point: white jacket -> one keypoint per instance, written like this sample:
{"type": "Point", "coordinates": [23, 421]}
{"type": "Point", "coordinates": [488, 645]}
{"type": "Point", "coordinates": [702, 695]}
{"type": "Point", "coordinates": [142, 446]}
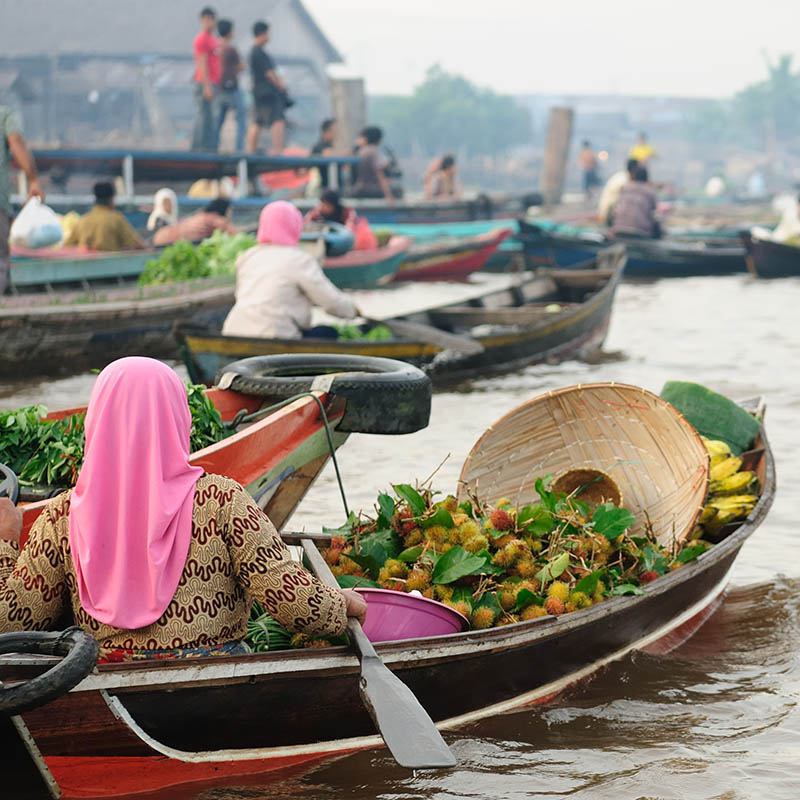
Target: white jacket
{"type": "Point", "coordinates": [276, 288]}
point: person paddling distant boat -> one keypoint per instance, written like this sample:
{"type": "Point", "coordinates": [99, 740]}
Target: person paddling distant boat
{"type": "Point", "coordinates": [278, 284]}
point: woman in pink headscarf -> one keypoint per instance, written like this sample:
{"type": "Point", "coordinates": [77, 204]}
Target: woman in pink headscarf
{"type": "Point", "coordinates": [278, 284]}
{"type": "Point", "coordinates": [149, 554]}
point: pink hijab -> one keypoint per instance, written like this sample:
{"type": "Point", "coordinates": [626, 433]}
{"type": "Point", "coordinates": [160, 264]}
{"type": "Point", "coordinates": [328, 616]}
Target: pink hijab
{"type": "Point", "coordinates": [280, 223]}
{"type": "Point", "coordinates": [130, 519]}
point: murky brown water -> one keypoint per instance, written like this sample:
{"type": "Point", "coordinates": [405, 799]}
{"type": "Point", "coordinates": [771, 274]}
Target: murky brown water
{"type": "Point", "coordinates": [717, 718]}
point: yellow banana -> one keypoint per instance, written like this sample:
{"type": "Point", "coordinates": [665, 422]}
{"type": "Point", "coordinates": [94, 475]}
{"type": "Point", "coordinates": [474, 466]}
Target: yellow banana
{"type": "Point", "coordinates": [717, 459]}
{"type": "Point", "coordinates": [716, 447]}
{"type": "Point", "coordinates": [730, 501]}
{"type": "Point", "coordinates": [724, 469]}
{"type": "Point", "coordinates": [733, 484]}
{"type": "Point", "coordinates": [722, 518]}
{"type": "Point", "coordinates": [707, 514]}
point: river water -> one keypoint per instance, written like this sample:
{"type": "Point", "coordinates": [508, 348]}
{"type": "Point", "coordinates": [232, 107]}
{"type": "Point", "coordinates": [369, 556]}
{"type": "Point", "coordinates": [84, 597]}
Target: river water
{"type": "Point", "coordinates": [717, 718]}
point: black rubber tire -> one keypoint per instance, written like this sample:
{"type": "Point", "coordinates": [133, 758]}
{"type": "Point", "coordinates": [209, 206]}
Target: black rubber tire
{"type": "Point", "coordinates": [80, 651]}
{"type": "Point", "coordinates": [9, 484]}
{"type": "Point", "coordinates": [383, 395]}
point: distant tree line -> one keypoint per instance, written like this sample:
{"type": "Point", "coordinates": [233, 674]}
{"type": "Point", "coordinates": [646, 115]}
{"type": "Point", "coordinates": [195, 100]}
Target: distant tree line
{"type": "Point", "coordinates": [764, 111]}
{"type": "Point", "coordinates": [449, 113]}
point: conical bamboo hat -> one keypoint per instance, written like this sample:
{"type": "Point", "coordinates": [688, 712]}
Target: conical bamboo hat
{"type": "Point", "coordinates": [652, 453]}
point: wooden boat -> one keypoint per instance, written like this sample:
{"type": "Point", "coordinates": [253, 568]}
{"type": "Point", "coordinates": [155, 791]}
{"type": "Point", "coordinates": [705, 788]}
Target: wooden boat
{"type": "Point", "coordinates": [47, 334]}
{"type": "Point", "coordinates": [522, 320]}
{"type": "Point", "coordinates": [767, 259]}
{"type": "Point", "coordinates": [504, 259]}
{"type": "Point", "coordinates": [451, 259]}
{"type": "Point", "coordinates": [149, 725]}
{"type": "Point", "coordinates": [361, 269]}
{"type": "Point", "coordinates": [73, 266]}
{"type": "Point", "coordinates": [564, 246]}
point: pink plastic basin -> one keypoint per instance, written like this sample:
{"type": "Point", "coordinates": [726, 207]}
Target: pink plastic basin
{"type": "Point", "coordinates": [397, 615]}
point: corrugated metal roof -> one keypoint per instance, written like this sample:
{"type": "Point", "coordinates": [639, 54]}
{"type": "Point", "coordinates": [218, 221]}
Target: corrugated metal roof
{"type": "Point", "coordinates": [37, 27]}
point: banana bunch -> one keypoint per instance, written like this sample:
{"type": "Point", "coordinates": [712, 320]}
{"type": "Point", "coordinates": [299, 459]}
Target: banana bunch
{"type": "Point", "coordinates": [732, 491]}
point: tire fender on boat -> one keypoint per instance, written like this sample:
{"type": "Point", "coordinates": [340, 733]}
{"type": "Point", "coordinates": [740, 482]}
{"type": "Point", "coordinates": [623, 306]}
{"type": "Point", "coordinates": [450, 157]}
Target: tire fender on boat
{"type": "Point", "coordinates": [383, 395]}
{"type": "Point", "coordinates": [79, 650]}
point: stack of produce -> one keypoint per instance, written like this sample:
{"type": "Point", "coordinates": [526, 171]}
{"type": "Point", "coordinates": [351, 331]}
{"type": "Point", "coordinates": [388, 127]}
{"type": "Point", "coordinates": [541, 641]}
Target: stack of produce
{"type": "Point", "coordinates": [45, 452]}
{"type": "Point", "coordinates": [498, 564]}
{"type": "Point", "coordinates": [184, 261]}
{"type": "Point", "coordinates": [732, 491]}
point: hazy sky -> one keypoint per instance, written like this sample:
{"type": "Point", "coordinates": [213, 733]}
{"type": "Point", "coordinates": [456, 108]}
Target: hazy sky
{"type": "Point", "coordinates": [680, 47]}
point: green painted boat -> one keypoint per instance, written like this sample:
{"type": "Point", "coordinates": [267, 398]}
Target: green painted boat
{"type": "Point", "coordinates": [54, 268]}
{"type": "Point", "coordinates": [365, 269]}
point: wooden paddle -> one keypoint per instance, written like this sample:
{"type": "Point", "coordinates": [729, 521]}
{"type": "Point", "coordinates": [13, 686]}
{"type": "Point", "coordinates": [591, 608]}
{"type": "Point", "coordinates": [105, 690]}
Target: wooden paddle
{"type": "Point", "coordinates": [403, 723]}
{"type": "Point", "coordinates": [428, 333]}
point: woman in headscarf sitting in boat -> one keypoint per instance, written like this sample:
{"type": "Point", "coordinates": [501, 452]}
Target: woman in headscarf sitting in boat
{"type": "Point", "coordinates": [165, 209]}
{"type": "Point", "coordinates": [278, 284]}
{"type": "Point", "coordinates": [149, 554]}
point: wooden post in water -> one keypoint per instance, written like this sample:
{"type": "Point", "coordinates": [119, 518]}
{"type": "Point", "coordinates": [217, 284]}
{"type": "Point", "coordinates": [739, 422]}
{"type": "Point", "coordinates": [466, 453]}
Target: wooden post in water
{"type": "Point", "coordinates": [349, 105]}
{"type": "Point", "coordinates": [554, 168]}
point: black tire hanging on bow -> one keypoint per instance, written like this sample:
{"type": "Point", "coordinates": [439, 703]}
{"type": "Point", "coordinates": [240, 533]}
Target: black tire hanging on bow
{"type": "Point", "coordinates": [79, 651]}
{"type": "Point", "coordinates": [383, 395]}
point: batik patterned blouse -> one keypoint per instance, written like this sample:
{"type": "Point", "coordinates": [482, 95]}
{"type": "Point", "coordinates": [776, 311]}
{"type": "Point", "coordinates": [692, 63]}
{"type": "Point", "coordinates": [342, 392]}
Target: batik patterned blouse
{"type": "Point", "coordinates": [235, 556]}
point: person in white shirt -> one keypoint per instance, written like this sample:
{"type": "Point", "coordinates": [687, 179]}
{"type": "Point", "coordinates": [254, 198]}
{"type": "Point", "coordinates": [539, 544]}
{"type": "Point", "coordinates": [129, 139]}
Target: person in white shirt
{"type": "Point", "coordinates": [610, 193]}
{"type": "Point", "coordinates": [278, 284]}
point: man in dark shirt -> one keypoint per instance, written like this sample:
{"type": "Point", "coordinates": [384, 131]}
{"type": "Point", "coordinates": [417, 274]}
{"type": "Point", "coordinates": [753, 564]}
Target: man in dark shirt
{"type": "Point", "coordinates": [230, 97]}
{"type": "Point", "coordinates": [269, 93]}
{"type": "Point", "coordinates": [371, 179]}
{"type": "Point", "coordinates": [325, 147]}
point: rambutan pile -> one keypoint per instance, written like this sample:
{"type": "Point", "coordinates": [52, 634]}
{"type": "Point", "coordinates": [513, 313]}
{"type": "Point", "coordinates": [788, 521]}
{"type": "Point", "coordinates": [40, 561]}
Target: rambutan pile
{"type": "Point", "coordinates": [497, 563]}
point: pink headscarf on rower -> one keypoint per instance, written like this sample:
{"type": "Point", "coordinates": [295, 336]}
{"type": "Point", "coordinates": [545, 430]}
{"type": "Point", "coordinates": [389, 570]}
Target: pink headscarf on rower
{"type": "Point", "coordinates": [130, 518]}
{"type": "Point", "coordinates": [280, 223]}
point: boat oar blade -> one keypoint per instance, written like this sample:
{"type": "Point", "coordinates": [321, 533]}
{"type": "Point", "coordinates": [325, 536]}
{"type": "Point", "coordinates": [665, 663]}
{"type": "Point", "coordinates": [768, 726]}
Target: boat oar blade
{"type": "Point", "coordinates": [432, 335]}
{"type": "Point", "coordinates": [403, 723]}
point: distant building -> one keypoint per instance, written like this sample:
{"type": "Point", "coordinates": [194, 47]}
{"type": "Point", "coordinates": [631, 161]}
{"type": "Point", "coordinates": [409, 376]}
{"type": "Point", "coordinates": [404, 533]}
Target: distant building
{"type": "Point", "coordinates": [101, 72]}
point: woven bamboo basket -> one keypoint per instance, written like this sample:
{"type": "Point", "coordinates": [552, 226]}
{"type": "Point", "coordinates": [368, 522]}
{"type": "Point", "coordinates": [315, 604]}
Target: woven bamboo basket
{"type": "Point", "coordinates": [653, 454]}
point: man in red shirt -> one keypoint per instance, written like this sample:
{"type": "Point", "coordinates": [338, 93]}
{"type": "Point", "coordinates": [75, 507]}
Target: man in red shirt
{"type": "Point", "coordinates": [207, 74]}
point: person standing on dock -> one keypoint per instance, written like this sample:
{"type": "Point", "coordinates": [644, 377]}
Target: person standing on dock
{"type": "Point", "coordinates": [208, 71]}
{"type": "Point", "coordinates": [230, 94]}
{"type": "Point", "coordinates": [269, 93]}
{"type": "Point", "coordinates": [588, 164]}
{"type": "Point", "coordinates": [104, 228]}
{"type": "Point", "coordinates": [13, 144]}
{"type": "Point", "coordinates": [642, 151]}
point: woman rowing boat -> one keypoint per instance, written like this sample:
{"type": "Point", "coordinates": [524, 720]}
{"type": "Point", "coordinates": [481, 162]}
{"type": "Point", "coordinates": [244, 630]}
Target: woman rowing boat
{"type": "Point", "coordinates": [278, 284]}
{"type": "Point", "coordinates": [149, 554]}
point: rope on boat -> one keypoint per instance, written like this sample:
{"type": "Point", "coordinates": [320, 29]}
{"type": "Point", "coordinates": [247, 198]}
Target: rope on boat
{"type": "Point", "coordinates": [243, 417]}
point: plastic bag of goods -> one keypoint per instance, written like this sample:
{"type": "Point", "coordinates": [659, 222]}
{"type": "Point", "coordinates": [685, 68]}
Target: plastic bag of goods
{"type": "Point", "coordinates": [37, 225]}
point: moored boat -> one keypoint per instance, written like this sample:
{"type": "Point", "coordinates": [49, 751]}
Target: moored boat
{"type": "Point", "coordinates": [451, 259]}
{"type": "Point", "coordinates": [145, 726]}
{"type": "Point", "coordinates": [520, 320]}
{"type": "Point", "coordinates": [565, 246]}
{"type": "Point", "coordinates": [359, 269]}
{"type": "Point", "coordinates": [767, 259]}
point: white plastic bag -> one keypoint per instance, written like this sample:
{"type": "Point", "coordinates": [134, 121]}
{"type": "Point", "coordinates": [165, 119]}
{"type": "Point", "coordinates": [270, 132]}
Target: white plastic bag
{"type": "Point", "coordinates": [37, 225]}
